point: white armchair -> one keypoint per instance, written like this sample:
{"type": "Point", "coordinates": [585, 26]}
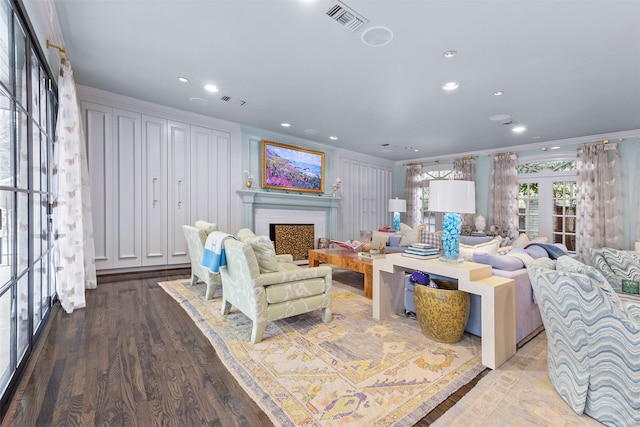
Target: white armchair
{"type": "Point", "coordinates": [267, 287]}
{"type": "Point", "coordinates": [196, 238]}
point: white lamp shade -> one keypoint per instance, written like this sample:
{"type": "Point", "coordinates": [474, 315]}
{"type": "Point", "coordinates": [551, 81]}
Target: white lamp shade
{"type": "Point", "coordinates": [397, 205]}
{"type": "Point", "coordinates": [452, 196]}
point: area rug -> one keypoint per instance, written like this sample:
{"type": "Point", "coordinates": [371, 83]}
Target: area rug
{"type": "Point", "coordinates": [352, 371]}
{"type": "Point", "coordinates": [519, 393]}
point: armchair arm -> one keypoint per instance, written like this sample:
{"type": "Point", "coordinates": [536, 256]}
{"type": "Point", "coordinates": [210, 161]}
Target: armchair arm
{"type": "Point", "coordinates": [285, 258]}
{"type": "Point", "coordinates": [277, 277]}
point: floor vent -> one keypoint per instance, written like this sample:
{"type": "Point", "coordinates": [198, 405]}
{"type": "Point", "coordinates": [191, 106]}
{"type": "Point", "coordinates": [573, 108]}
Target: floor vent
{"type": "Point", "coordinates": [345, 16]}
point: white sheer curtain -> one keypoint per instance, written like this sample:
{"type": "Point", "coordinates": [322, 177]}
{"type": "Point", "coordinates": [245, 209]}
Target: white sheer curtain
{"type": "Point", "coordinates": [465, 169]}
{"type": "Point", "coordinates": [504, 193]}
{"type": "Point", "coordinates": [599, 221]}
{"type": "Point", "coordinates": [73, 227]}
{"type": "Point", "coordinates": [413, 195]}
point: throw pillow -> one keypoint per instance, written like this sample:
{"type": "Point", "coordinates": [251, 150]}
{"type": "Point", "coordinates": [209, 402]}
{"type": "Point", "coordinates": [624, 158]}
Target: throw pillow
{"type": "Point", "coordinates": [521, 241]}
{"type": "Point", "coordinates": [466, 251]}
{"type": "Point", "coordinates": [408, 235]}
{"type": "Point", "coordinates": [500, 262]}
{"type": "Point", "coordinates": [265, 253]}
{"type": "Point", "coordinates": [245, 234]}
{"type": "Point", "coordinates": [207, 227]}
{"type": "Point", "coordinates": [428, 238]}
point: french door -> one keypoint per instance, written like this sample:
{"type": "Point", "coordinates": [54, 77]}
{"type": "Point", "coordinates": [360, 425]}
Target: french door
{"type": "Point", "coordinates": [27, 123]}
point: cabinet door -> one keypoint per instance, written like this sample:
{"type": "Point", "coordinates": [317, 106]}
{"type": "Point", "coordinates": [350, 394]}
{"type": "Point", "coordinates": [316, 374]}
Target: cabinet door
{"type": "Point", "coordinates": [210, 184]}
{"type": "Point", "coordinates": [127, 183]}
{"type": "Point", "coordinates": [97, 124]}
{"type": "Point", "coordinates": [154, 190]}
{"type": "Point", "coordinates": [178, 191]}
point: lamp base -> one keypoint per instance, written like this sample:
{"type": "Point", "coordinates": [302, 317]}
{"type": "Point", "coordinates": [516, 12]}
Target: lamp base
{"type": "Point", "coordinates": [396, 221]}
{"type": "Point", "coordinates": [451, 236]}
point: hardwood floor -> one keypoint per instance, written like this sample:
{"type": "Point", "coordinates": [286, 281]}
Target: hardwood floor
{"type": "Point", "coordinates": [134, 357]}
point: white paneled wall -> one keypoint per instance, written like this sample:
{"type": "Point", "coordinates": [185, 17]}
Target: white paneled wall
{"type": "Point", "coordinates": [152, 170]}
{"type": "Point", "coordinates": [367, 187]}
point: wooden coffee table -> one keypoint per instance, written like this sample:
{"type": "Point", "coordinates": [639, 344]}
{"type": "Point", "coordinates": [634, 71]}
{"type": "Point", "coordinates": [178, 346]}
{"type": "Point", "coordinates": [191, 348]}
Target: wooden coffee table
{"type": "Point", "coordinates": [346, 259]}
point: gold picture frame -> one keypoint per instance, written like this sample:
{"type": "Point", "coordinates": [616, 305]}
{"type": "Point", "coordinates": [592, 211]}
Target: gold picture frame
{"type": "Point", "coordinates": [289, 168]}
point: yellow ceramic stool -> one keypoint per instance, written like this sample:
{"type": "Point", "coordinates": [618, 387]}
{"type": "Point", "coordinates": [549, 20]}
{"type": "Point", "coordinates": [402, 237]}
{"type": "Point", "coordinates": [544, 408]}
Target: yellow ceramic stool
{"type": "Point", "coordinates": [442, 313]}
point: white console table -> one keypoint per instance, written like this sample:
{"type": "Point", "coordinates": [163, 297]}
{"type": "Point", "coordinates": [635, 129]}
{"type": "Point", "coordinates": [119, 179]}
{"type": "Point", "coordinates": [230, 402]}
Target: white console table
{"type": "Point", "coordinates": [497, 298]}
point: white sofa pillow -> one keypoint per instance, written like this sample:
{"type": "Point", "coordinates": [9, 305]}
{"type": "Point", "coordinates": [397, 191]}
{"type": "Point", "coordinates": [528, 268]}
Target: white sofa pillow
{"type": "Point", "coordinates": [466, 251]}
{"type": "Point", "coordinates": [408, 235]}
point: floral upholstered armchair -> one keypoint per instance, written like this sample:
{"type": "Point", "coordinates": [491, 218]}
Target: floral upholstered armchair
{"type": "Point", "coordinates": [593, 340]}
{"type": "Point", "coordinates": [265, 286]}
{"type": "Point", "coordinates": [196, 238]}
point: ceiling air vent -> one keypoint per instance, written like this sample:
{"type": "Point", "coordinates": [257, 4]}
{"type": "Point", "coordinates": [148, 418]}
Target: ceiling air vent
{"type": "Point", "coordinates": [345, 16]}
{"type": "Point", "coordinates": [231, 100]}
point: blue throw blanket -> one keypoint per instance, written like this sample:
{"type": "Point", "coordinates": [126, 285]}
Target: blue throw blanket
{"type": "Point", "coordinates": [214, 257]}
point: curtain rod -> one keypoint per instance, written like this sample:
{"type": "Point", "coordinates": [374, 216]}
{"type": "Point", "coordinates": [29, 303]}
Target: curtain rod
{"type": "Point", "coordinates": [62, 50]}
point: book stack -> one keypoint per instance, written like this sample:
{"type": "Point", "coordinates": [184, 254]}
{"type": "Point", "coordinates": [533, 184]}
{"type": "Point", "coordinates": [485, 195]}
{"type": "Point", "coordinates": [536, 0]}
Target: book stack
{"type": "Point", "coordinates": [421, 251]}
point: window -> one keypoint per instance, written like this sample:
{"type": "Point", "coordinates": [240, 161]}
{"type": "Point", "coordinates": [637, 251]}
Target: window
{"type": "Point", "coordinates": [27, 112]}
{"type": "Point", "coordinates": [547, 200]}
{"type": "Point", "coordinates": [433, 220]}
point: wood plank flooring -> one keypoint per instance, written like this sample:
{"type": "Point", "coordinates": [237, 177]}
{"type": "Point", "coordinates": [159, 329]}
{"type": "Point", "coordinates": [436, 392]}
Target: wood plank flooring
{"type": "Point", "coordinates": [135, 358]}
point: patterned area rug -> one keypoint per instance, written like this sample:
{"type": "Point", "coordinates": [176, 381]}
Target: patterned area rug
{"type": "Point", "coordinates": [517, 394]}
{"type": "Point", "coordinates": [352, 371]}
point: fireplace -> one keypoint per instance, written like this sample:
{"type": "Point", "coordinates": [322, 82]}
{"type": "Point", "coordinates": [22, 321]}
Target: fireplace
{"type": "Point", "coordinates": [294, 239]}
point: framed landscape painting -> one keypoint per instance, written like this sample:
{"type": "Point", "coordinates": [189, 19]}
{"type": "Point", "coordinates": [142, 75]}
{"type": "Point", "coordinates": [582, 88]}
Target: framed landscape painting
{"type": "Point", "coordinates": [285, 167]}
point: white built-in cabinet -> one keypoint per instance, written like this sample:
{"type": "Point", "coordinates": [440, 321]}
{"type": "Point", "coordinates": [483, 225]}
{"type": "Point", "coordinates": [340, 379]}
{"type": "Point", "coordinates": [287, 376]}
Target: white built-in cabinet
{"type": "Point", "coordinates": [149, 176]}
{"type": "Point", "coordinates": [366, 189]}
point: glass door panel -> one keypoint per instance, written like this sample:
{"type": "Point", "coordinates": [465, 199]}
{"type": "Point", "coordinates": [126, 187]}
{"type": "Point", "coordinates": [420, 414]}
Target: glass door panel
{"type": "Point", "coordinates": [6, 311]}
{"type": "Point", "coordinates": [7, 208]}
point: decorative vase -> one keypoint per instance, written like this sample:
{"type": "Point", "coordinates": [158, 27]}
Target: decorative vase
{"type": "Point", "coordinates": [451, 237]}
{"type": "Point", "coordinates": [249, 184]}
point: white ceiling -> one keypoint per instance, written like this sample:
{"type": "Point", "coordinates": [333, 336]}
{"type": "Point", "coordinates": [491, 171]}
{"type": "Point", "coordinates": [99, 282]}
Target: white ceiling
{"type": "Point", "coordinates": [567, 68]}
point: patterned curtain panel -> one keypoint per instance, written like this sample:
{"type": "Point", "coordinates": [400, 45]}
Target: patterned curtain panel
{"type": "Point", "coordinates": [599, 222]}
{"type": "Point", "coordinates": [465, 169]}
{"type": "Point", "coordinates": [413, 195]}
{"type": "Point", "coordinates": [504, 193]}
{"type": "Point", "coordinates": [74, 257]}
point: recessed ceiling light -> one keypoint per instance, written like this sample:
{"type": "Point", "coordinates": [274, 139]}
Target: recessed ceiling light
{"type": "Point", "coordinates": [519, 129]}
{"type": "Point", "coordinates": [211, 88]}
{"type": "Point", "coordinates": [450, 54]}
{"type": "Point", "coordinates": [377, 36]}
{"type": "Point", "coordinates": [285, 125]}
{"type": "Point", "coordinates": [333, 138]}
{"type": "Point", "coordinates": [183, 79]}
{"type": "Point", "coordinates": [554, 148]}
{"type": "Point", "coordinates": [498, 93]}
{"type": "Point", "coordinates": [450, 86]}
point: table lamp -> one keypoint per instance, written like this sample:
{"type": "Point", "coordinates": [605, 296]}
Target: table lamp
{"type": "Point", "coordinates": [452, 197]}
{"type": "Point", "coordinates": [396, 206]}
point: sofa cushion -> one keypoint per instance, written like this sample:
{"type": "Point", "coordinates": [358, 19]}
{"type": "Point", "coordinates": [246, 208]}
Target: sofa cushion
{"type": "Point", "coordinates": [265, 253]}
{"type": "Point", "coordinates": [475, 240]}
{"type": "Point", "coordinates": [408, 235]}
{"type": "Point", "coordinates": [429, 238]}
{"type": "Point", "coordinates": [291, 291]}
{"type": "Point", "coordinates": [622, 264]}
{"type": "Point", "coordinates": [500, 262]}
{"type": "Point", "coordinates": [466, 251]}
{"type": "Point", "coordinates": [522, 255]}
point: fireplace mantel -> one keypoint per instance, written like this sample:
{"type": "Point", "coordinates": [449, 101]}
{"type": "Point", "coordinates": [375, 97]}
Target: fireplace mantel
{"type": "Point", "coordinates": [256, 199]}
